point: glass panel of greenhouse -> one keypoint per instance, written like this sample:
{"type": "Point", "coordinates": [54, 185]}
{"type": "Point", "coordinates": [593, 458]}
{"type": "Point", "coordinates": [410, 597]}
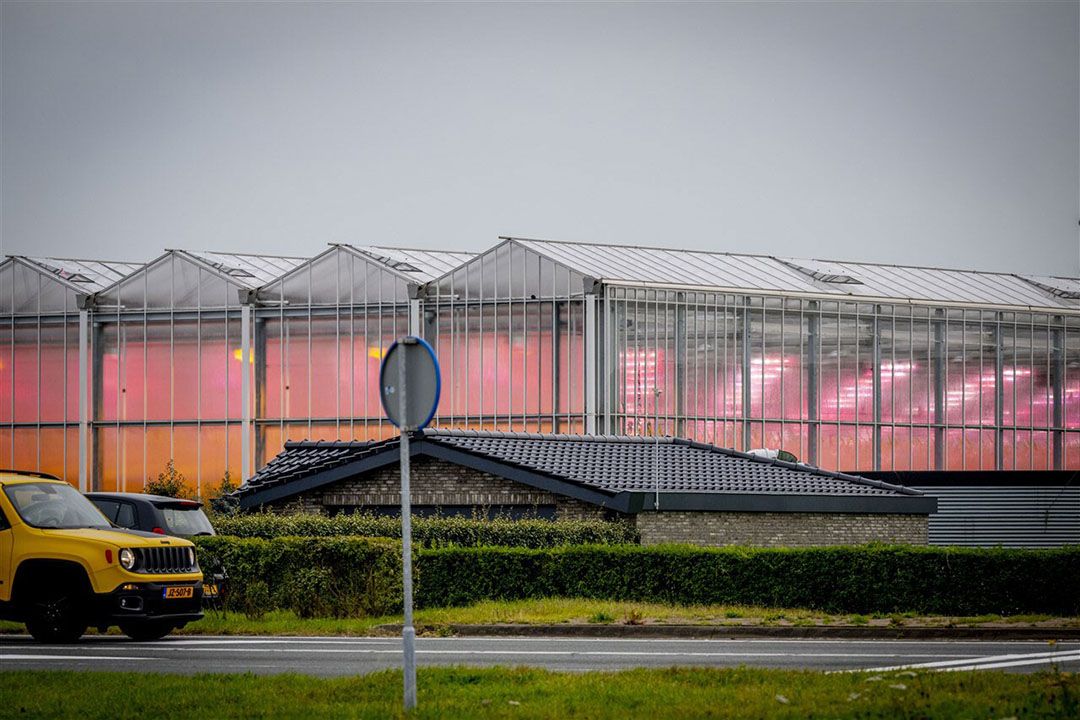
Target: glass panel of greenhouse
{"type": "Point", "coordinates": [39, 358]}
{"type": "Point", "coordinates": [320, 333]}
{"type": "Point", "coordinates": [167, 372]}
{"type": "Point", "coordinates": [849, 366]}
{"type": "Point", "coordinates": [509, 330]}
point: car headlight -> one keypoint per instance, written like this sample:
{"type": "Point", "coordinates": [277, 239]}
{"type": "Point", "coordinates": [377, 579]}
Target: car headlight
{"type": "Point", "coordinates": [191, 557]}
{"type": "Point", "coordinates": [127, 559]}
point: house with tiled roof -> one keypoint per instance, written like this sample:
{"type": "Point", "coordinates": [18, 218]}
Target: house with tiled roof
{"type": "Point", "coordinates": [673, 490]}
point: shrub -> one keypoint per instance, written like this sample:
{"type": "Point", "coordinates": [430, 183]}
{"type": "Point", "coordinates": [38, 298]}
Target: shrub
{"type": "Point", "coordinates": [220, 500]}
{"type": "Point", "coordinates": [433, 532]}
{"type": "Point", "coordinates": [315, 577]}
{"type": "Point", "coordinates": [863, 579]}
{"type": "Point", "coordinates": [170, 482]}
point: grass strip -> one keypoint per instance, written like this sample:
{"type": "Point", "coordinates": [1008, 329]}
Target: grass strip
{"type": "Point", "coordinates": [528, 693]}
{"type": "Point", "coordinates": [557, 611]}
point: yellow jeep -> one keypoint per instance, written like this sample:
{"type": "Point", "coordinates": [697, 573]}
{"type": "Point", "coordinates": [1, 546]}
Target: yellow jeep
{"type": "Point", "coordinates": [64, 567]}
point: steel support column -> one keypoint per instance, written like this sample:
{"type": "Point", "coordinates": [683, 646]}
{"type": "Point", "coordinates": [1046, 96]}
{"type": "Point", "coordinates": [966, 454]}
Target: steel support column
{"type": "Point", "coordinates": [558, 310]}
{"type": "Point", "coordinates": [414, 321]}
{"type": "Point", "coordinates": [680, 365]}
{"type": "Point", "coordinates": [813, 344]}
{"type": "Point", "coordinates": [999, 397]}
{"type": "Point", "coordinates": [96, 399]}
{"type": "Point", "coordinates": [938, 360]}
{"type": "Point", "coordinates": [877, 388]}
{"type": "Point", "coordinates": [258, 412]}
{"type": "Point", "coordinates": [245, 391]}
{"type": "Point", "coordinates": [591, 357]}
{"type": "Point", "coordinates": [745, 362]}
{"type": "Point", "coordinates": [1057, 389]}
{"type": "Point", "coordinates": [84, 407]}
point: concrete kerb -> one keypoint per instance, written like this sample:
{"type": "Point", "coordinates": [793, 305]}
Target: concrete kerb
{"type": "Point", "coordinates": [728, 631]}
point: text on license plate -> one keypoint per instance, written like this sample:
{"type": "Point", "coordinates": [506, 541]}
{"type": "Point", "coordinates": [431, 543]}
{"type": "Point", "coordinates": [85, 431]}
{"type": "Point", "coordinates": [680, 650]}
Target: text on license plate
{"type": "Point", "coordinates": [176, 593]}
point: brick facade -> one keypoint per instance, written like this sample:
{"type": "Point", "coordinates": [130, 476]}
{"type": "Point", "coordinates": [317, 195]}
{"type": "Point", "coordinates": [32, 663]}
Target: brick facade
{"type": "Point", "coordinates": [768, 529]}
{"type": "Point", "coordinates": [439, 483]}
{"type": "Point", "coordinates": [433, 483]}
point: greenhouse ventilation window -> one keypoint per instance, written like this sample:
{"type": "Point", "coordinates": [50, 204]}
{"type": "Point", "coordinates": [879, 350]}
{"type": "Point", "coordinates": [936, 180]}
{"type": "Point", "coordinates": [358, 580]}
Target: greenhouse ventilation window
{"type": "Point", "coordinates": [1067, 288]}
{"type": "Point", "coordinates": [823, 271]}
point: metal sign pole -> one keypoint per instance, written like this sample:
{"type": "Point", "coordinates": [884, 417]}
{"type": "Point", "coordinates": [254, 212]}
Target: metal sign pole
{"type": "Point", "coordinates": [656, 446]}
{"type": "Point", "coordinates": [408, 633]}
{"type": "Point", "coordinates": [410, 409]}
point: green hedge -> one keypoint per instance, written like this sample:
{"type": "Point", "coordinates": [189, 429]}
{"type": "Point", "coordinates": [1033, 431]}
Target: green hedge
{"type": "Point", "coordinates": [866, 579]}
{"type": "Point", "coordinates": [315, 577]}
{"type": "Point", "coordinates": [433, 532]}
{"type": "Point", "coordinates": [354, 576]}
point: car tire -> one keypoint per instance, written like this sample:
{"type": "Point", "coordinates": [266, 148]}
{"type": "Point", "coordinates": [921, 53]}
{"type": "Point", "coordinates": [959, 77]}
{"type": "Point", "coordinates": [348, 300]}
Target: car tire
{"type": "Point", "coordinates": [146, 629]}
{"type": "Point", "coordinates": [56, 616]}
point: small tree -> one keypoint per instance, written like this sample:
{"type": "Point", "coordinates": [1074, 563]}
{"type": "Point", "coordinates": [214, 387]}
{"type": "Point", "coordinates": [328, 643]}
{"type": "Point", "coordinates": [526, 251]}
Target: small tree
{"type": "Point", "coordinates": [219, 500]}
{"type": "Point", "coordinates": [227, 485]}
{"type": "Point", "coordinates": [170, 483]}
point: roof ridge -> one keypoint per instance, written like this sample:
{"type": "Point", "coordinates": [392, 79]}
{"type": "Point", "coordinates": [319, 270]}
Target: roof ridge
{"type": "Point", "coordinates": [765, 256]}
{"type": "Point", "coordinates": [562, 437]}
{"type": "Point", "coordinates": [410, 249]}
{"type": "Point", "coordinates": [78, 260]}
{"type": "Point", "coordinates": [334, 443]}
{"type": "Point", "coordinates": [242, 254]}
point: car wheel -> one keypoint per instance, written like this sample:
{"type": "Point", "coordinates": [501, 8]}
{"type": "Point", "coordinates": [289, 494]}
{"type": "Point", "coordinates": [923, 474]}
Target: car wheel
{"type": "Point", "coordinates": [146, 629]}
{"type": "Point", "coordinates": [56, 616]}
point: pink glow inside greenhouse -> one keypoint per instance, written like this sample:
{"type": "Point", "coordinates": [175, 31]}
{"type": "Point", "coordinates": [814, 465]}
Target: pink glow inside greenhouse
{"type": "Point", "coordinates": [108, 370]}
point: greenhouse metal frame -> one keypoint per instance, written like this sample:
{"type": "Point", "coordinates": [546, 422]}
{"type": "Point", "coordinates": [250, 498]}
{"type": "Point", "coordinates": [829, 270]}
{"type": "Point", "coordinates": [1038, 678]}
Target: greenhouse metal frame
{"type": "Point", "coordinates": [213, 360]}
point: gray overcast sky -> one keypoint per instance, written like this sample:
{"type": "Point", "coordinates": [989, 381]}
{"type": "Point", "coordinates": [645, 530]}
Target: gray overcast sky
{"type": "Point", "coordinates": [917, 133]}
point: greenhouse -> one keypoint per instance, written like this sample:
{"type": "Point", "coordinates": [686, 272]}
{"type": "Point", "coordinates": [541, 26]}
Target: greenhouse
{"type": "Point", "coordinates": [109, 370]}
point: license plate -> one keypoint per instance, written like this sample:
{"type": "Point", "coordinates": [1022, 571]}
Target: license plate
{"type": "Point", "coordinates": [179, 593]}
{"type": "Point", "coordinates": [209, 591]}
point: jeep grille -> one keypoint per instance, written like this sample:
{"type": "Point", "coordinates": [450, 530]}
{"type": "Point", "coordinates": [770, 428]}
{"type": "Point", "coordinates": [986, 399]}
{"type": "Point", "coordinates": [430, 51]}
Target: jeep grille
{"type": "Point", "coordinates": [160, 560]}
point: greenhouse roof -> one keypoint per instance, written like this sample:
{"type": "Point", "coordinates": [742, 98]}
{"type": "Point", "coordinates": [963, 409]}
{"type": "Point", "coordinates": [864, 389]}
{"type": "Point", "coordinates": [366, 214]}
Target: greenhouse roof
{"type": "Point", "coordinates": [421, 265]}
{"type": "Point", "coordinates": [249, 270]}
{"type": "Point", "coordinates": [737, 272]}
{"type": "Point", "coordinates": [87, 276]}
{"type": "Point", "coordinates": [649, 266]}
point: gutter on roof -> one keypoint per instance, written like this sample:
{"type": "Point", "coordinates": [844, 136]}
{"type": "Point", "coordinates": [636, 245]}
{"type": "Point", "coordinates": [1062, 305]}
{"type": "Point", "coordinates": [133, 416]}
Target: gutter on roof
{"type": "Point", "coordinates": [839, 297]}
{"type": "Point", "coordinates": [644, 501]}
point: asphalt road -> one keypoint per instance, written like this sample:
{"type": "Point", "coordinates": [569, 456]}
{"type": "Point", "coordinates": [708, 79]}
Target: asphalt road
{"type": "Point", "coordinates": [346, 656]}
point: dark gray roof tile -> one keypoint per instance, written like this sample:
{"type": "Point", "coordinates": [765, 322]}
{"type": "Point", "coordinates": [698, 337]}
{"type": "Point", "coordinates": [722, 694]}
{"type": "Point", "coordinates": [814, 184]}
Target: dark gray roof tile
{"type": "Point", "coordinates": [611, 464]}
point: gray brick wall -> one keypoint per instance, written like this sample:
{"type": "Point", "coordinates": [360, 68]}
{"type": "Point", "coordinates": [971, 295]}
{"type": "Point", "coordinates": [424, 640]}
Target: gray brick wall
{"type": "Point", "coordinates": [571, 509]}
{"type": "Point", "coordinates": [432, 482]}
{"type": "Point", "coordinates": [779, 529]}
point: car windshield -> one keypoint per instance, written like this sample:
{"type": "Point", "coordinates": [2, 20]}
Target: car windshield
{"type": "Point", "coordinates": [187, 521]}
{"type": "Point", "coordinates": [53, 505]}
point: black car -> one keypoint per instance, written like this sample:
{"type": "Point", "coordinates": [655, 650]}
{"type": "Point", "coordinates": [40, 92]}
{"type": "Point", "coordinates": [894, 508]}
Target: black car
{"type": "Point", "coordinates": [165, 516]}
{"type": "Point", "coordinates": [153, 513]}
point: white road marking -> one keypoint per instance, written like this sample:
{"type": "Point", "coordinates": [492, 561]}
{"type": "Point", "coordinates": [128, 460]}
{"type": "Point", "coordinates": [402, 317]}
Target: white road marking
{"type": "Point", "coordinates": [970, 662]}
{"type": "Point", "coordinates": [1017, 663]}
{"type": "Point", "coordinates": [259, 641]}
{"type": "Point", "coordinates": [69, 657]}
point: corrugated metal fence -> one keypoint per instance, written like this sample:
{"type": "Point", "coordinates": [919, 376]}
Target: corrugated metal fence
{"type": "Point", "coordinates": [1009, 516]}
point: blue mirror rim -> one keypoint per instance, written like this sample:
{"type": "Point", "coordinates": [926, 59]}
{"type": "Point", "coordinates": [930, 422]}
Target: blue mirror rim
{"type": "Point", "coordinates": [438, 379]}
